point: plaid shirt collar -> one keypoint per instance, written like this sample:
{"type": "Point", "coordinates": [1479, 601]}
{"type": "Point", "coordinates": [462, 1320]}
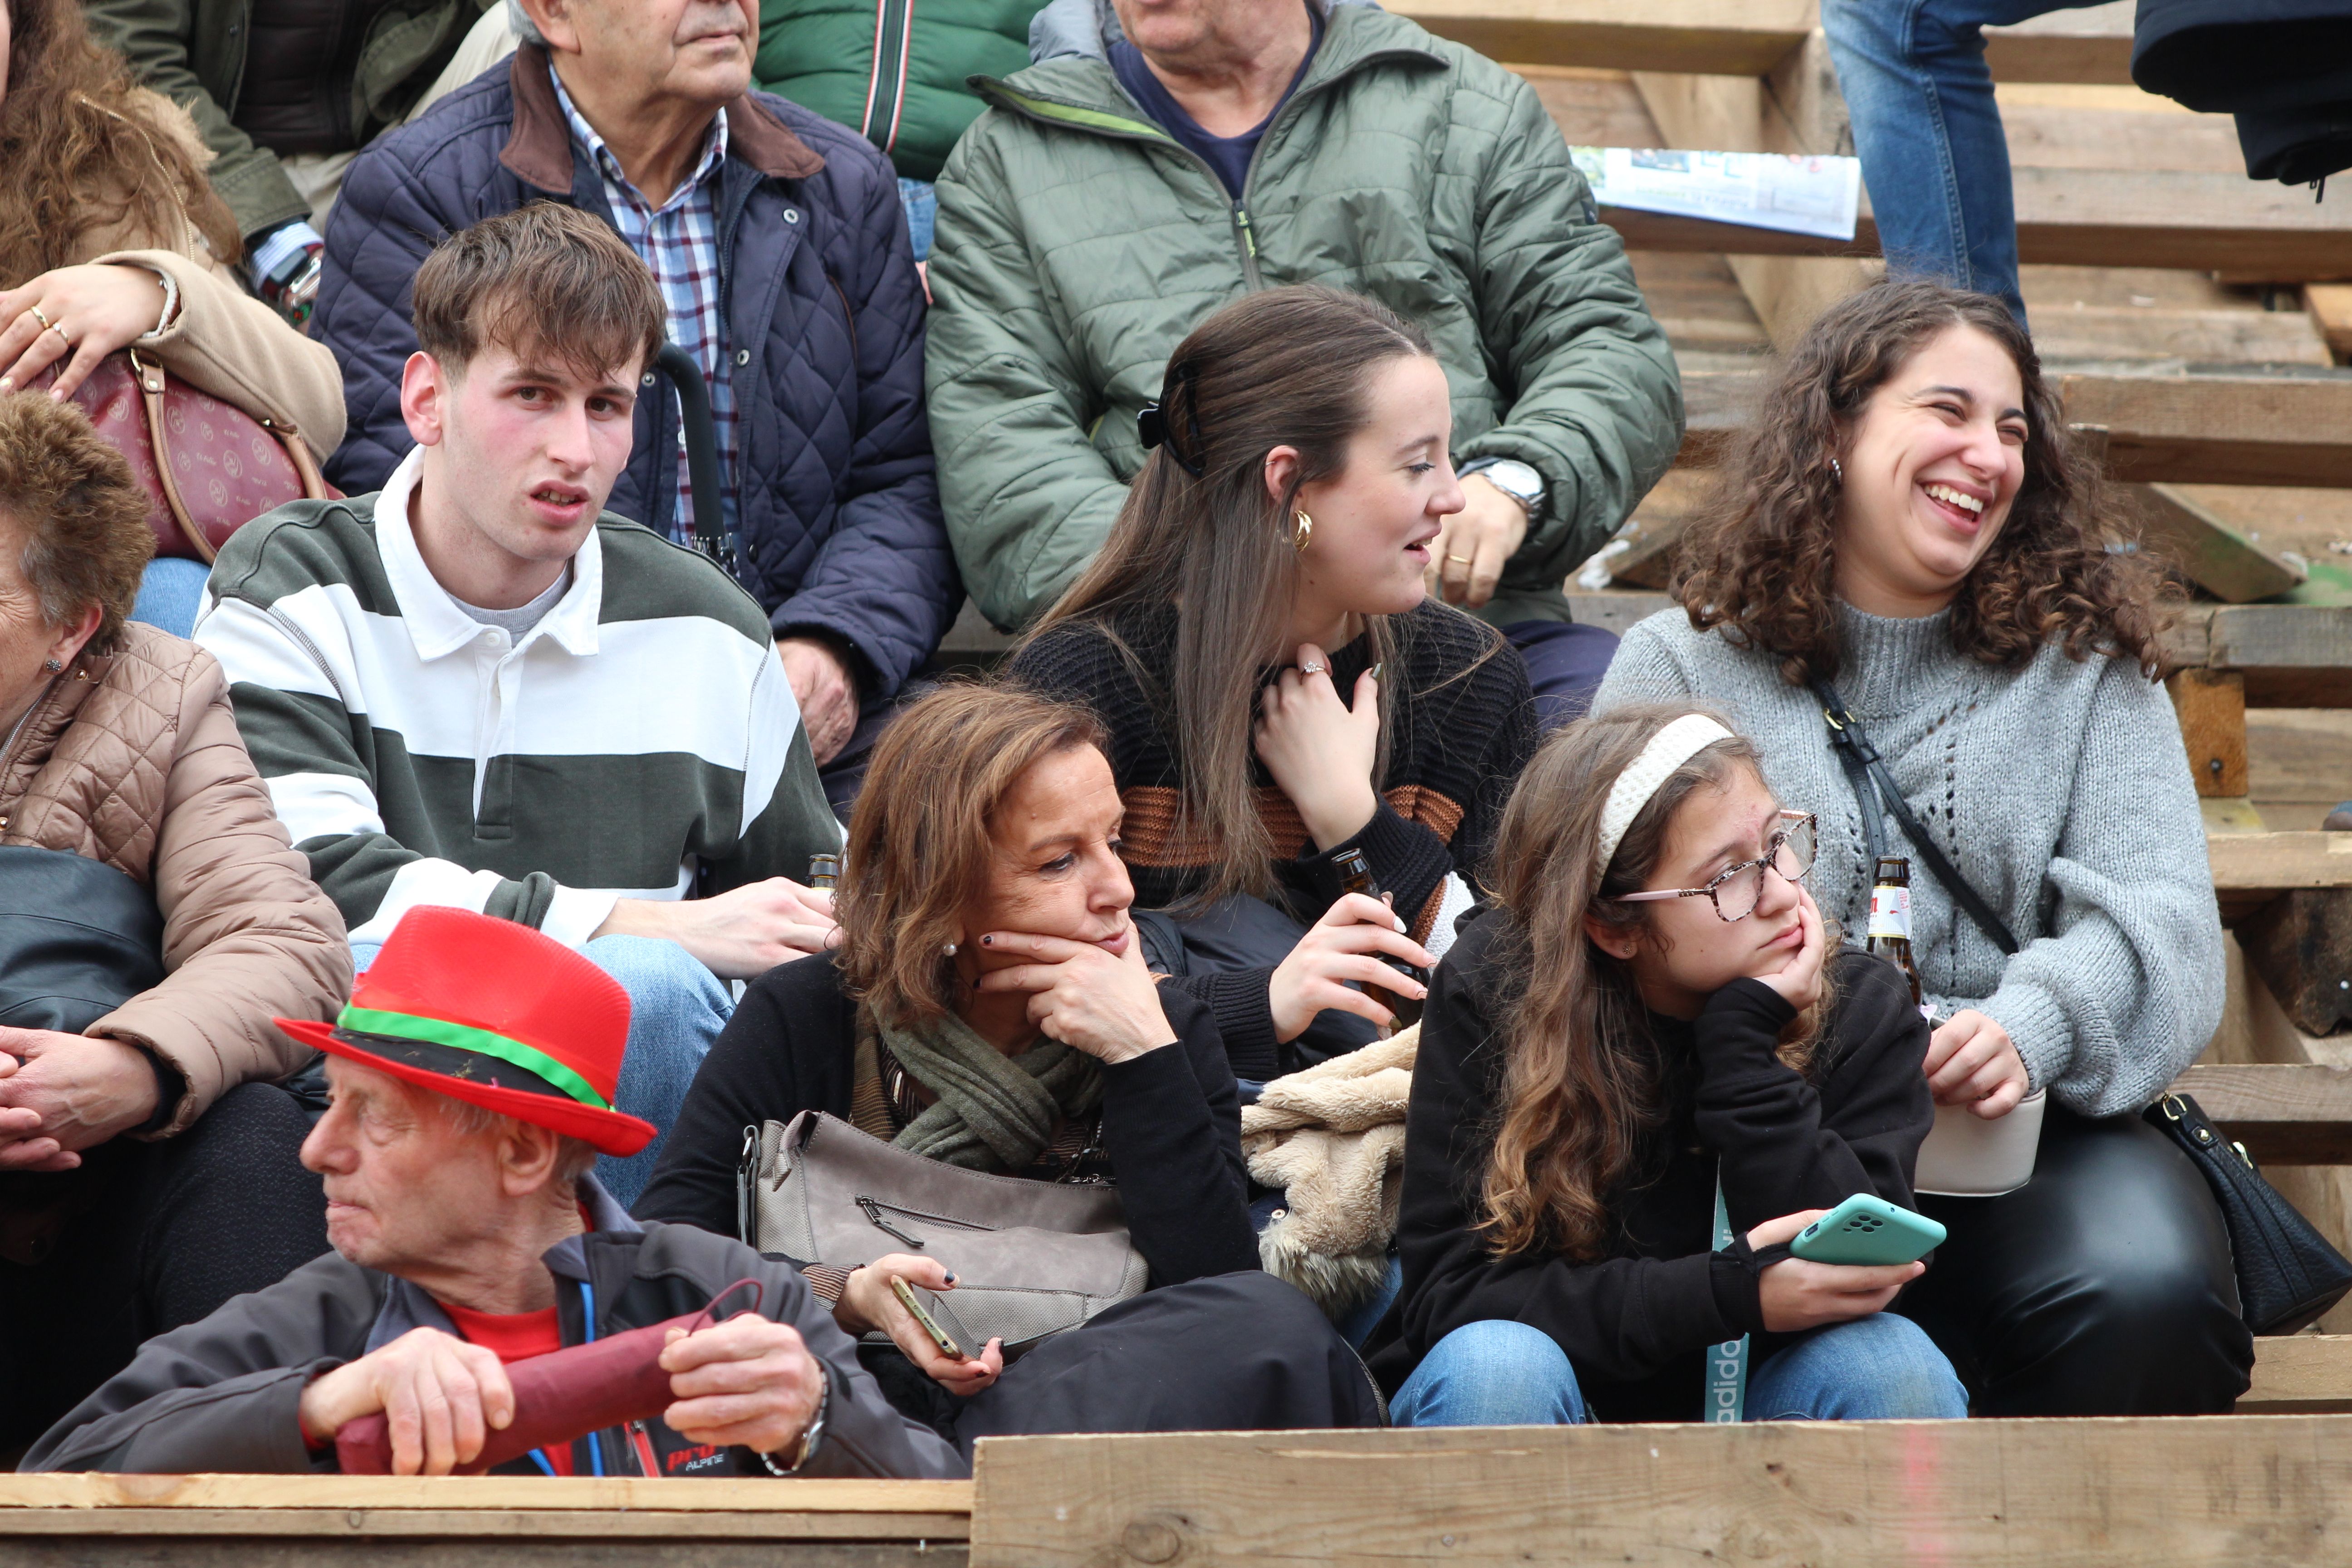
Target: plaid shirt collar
{"type": "Point", "coordinates": [714, 153]}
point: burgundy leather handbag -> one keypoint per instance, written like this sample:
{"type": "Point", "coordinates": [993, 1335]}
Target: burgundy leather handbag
{"type": "Point", "coordinates": [208, 467]}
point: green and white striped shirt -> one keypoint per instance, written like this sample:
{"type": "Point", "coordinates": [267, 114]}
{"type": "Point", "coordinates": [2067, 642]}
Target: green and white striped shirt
{"type": "Point", "coordinates": [640, 742]}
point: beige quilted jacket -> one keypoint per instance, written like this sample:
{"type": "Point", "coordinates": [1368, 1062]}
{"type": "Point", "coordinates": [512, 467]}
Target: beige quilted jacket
{"type": "Point", "coordinates": [132, 758]}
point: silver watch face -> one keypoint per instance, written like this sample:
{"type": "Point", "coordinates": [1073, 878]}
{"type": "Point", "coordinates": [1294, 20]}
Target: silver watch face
{"type": "Point", "coordinates": [1514, 477]}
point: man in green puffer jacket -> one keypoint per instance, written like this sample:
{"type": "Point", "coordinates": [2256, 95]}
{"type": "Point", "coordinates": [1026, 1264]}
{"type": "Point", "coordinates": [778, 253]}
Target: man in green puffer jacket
{"type": "Point", "coordinates": [1083, 231]}
{"type": "Point", "coordinates": [913, 103]}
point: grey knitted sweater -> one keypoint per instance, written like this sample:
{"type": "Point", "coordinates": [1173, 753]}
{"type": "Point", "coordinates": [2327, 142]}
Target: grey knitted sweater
{"type": "Point", "coordinates": [2062, 791]}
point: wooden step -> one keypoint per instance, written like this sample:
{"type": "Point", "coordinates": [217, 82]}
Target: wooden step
{"type": "Point", "coordinates": [2090, 217]}
{"type": "Point", "coordinates": [2225, 1491]}
{"type": "Point", "coordinates": [2300, 1374]}
{"type": "Point", "coordinates": [489, 1521]}
{"type": "Point", "coordinates": [1745, 37]}
{"type": "Point", "coordinates": [2284, 1114]}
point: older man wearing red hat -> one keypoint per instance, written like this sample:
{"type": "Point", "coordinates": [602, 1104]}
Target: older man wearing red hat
{"type": "Point", "coordinates": [473, 1077]}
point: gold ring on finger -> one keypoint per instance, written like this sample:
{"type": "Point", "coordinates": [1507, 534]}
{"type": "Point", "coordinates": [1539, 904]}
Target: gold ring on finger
{"type": "Point", "coordinates": [41, 316]}
{"type": "Point", "coordinates": [1464, 559]}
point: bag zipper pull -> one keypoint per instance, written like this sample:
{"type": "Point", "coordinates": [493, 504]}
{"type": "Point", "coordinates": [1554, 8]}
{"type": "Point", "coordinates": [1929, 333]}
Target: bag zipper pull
{"type": "Point", "coordinates": [874, 1212]}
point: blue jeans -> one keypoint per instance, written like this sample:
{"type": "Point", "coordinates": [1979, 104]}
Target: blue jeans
{"type": "Point", "coordinates": [1925, 123]}
{"type": "Point", "coordinates": [922, 205]}
{"type": "Point", "coordinates": [170, 591]}
{"type": "Point", "coordinates": [1499, 1373]}
{"type": "Point", "coordinates": [1565, 663]}
{"type": "Point", "coordinates": [677, 1008]}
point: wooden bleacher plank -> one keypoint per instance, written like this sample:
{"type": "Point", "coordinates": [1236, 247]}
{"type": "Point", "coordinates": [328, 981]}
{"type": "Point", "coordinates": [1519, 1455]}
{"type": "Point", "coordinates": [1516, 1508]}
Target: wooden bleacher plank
{"type": "Point", "coordinates": [2092, 45]}
{"type": "Point", "coordinates": [1715, 38]}
{"type": "Point", "coordinates": [492, 1522]}
{"type": "Point", "coordinates": [2300, 1374]}
{"type": "Point", "coordinates": [2285, 1115]}
{"type": "Point", "coordinates": [2225, 1491]}
{"type": "Point", "coordinates": [2215, 557]}
{"type": "Point", "coordinates": [2275, 862]}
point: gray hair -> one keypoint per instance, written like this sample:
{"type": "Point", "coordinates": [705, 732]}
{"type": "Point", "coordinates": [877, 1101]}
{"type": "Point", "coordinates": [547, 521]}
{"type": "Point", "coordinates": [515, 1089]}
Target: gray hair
{"type": "Point", "coordinates": [524, 28]}
{"type": "Point", "coordinates": [573, 1156]}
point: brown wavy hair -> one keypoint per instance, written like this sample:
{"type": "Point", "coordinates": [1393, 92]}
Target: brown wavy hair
{"type": "Point", "coordinates": [918, 844]}
{"type": "Point", "coordinates": [1585, 1084]}
{"type": "Point", "coordinates": [1760, 558]}
{"type": "Point", "coordinates": [82, 152]}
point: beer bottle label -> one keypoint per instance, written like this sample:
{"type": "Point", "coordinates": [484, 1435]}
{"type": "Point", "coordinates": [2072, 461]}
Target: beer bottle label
{"type": "Point", "coordinates": [1890, 911]}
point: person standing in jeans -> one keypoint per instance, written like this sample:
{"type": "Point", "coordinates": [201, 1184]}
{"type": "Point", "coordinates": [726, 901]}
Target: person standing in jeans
{"type": "Point", "coordinates": [1929, 132]}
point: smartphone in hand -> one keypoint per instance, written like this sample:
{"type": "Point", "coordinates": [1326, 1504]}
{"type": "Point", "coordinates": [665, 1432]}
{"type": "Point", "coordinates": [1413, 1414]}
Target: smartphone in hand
{"type": "Point", "coordinates": [1868, 1231]}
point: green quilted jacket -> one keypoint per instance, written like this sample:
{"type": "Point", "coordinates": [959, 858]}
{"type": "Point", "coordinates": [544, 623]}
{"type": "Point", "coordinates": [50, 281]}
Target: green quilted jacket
{"type": "Point", "coordinates": [821, 54]}
{"type": "Point", "coordinates": [1078, 243]}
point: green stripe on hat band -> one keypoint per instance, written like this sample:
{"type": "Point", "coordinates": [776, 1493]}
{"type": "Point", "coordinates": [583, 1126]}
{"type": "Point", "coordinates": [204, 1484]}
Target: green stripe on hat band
{"type": "Point", "coordinates": [464, 1037]}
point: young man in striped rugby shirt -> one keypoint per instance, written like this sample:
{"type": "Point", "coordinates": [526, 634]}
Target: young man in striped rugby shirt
{"type": "Point", "coordinates": [476, 688]}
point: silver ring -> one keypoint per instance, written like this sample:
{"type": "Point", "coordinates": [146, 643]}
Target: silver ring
{"type": "Point", "coordinates": [1310, 669]}
{"type": "Point", "coordinates": [41, 316]}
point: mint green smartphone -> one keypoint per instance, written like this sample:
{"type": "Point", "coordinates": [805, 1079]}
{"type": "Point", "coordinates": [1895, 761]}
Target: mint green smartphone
{"type": "Point", "coordinates": [1868, 1231]}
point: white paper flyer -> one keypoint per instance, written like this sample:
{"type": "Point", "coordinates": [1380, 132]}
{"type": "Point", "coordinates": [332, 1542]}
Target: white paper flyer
{"type": "Point", "coordinates": [1798, 194]}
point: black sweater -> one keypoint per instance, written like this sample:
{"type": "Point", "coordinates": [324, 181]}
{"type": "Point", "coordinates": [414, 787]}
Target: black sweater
{"type": "Point", "coordinates": [1635, 1323]}
{"type": "Point", "coordinates": [1465, 730]}
{"type": "Point", "coordinates": [1172, 1119]}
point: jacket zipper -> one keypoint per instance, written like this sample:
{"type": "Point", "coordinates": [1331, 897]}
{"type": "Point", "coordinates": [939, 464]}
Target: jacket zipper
{"type": "Point", "coordinates": [885, 89]}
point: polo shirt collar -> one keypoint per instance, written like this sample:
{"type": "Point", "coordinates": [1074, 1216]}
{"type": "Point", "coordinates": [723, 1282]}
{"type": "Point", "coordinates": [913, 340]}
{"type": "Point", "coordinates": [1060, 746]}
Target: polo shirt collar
{"type": "Point", "coordinates": [436, 626]}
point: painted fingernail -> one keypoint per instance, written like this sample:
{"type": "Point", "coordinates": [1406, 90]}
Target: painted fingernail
{"type": "Point", "coordinates": [988, 941]}
{"type": "Point", "coordinates": [950, 1279]}
{"type": "Point", "coordinates": [1375, 671]}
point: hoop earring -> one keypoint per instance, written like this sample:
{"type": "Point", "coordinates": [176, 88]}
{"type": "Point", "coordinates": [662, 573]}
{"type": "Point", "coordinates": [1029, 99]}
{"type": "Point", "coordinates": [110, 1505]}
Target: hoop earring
{"type": "Point", "coordinates": [1302, 529]}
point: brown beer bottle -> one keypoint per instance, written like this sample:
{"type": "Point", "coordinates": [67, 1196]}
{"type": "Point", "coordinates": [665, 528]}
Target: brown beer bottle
{"type": "Point", "coordinates": [823, 869]}
{"type": "Point", "coordinates": [1356, 877]}
{"type": "Point", "coordinates": [1890, 917]}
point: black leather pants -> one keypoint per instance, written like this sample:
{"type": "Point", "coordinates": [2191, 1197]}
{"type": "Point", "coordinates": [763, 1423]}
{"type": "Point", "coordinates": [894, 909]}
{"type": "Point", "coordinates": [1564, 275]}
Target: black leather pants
{"type": "Point", "coordinates": [2102, 1286]}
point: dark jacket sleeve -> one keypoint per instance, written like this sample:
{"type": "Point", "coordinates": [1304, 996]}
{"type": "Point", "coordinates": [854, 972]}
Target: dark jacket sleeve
{"type": "Point", "coordinates": [1172, 1125]}
{"type": "Point", "coordinates": [384, 224]}
{"type": "Point", "coordinates": [884, 580]}
{"type": "Point", "coordinates": [1788, 1145]}
{"type": "Point", "coordinates": [1621, 1318]}
{"type": "Point", "coordinates": [787, 1049]}
{"type": "Point", "coordinates": [223, 1393]}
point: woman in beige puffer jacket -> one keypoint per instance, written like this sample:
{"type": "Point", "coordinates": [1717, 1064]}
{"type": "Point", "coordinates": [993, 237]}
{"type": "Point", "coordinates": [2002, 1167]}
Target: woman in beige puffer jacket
{"type": "Point", "coordinates": [149, 1165]}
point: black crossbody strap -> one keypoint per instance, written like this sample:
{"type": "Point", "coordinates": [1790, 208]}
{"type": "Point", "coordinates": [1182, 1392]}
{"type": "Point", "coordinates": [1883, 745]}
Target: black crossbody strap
{"type": "Point", "coordinates": [1873, 787]}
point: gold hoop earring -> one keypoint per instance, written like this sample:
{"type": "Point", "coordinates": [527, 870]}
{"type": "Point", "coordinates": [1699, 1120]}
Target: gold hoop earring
{"type": "Point", "coordinates": [1302, 529]}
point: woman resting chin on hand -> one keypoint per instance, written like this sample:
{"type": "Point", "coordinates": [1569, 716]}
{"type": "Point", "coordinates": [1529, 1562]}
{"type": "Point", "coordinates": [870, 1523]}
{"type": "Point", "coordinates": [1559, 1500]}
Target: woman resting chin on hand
{"type": "Point", "coordinates": [1654, 1012]}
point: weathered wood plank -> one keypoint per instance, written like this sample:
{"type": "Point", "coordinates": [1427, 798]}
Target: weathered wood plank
{"type": "Point", "coordinates": [491, 1552]}
{"type": "Point", "coordinates": [2301, 944]}
{"type": "Point", "coordinates": [1714, 37]}
{"type": "Point", "coordinates": [2207, 551]}
{"type": "Point", "coordinates": [2211, 707]}
{"type": "Point", "coordinates": [2300, 1374]}
{"type": "Point", "coordinates": [2231, 1491]}
{"type": "Point", "coordinates": [2330, 305]}
{"type": "Point", "coordinates": [99, 1491]}
{"type": "Point", "coordinates": [2279, 861]}
{"type": "Point", "coordinates": [581, 1524]}
{"type": "Point", "coordinates": [2286, 1115]}
{"type": "Point", "coordinates": [2093, 45]}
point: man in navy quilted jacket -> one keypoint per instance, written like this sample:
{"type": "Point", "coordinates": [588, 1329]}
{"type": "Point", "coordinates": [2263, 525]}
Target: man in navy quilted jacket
{"type": "Point", "coordinates": [782, 252]}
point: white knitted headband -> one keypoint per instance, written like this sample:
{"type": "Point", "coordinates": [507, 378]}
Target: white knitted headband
{"type": "Point", "coordinates": [1669, 748]}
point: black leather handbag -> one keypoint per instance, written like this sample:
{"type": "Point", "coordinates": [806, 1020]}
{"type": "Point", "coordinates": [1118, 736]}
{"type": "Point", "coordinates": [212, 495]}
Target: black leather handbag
{"type": "Point", "coordinates": [77, 940]}
{"type": "Point", "coordinates": [2288, 1275]}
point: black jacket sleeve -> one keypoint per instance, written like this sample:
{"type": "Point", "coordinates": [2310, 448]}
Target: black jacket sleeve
{"type": "Point", "coordinates": [787, 1049]}
{"type": "Point", "coordinates": [1172, 1125]}
{"type": "Point", "coordinates": [1622, 1317]}
{"type": "Point", "coordinates": [1791, 1143]}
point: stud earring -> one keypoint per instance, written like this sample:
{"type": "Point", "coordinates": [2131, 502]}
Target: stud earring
{"type": "Point", "coordinates": [52, 666]}
{"type": "Point", "coordinates": [949, 950]}
{"type": "Point", "coordinates": [1302, 529]}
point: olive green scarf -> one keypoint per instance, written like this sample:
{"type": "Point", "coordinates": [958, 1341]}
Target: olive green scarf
{"type": "Point", "coordinates": [995, 1112]}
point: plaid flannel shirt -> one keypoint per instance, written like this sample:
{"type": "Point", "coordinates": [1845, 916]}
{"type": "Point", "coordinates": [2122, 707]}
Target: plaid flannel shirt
{"type": "Point", "coordinates": [679, 242]}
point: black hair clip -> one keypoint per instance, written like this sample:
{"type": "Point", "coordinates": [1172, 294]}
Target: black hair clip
{"type": "Point", "coordinates": [1151, 420]}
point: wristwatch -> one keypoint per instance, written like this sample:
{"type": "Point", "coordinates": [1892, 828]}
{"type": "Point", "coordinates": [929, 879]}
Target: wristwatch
{"type": "Point", "coordinates": [813, 1434]}
{"type": "Point", "coordinates": [1514, 479]}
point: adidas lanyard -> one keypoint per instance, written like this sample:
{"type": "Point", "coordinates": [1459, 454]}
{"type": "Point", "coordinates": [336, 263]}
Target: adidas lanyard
{"type": "Point", "coordinates": [1727, 1363]}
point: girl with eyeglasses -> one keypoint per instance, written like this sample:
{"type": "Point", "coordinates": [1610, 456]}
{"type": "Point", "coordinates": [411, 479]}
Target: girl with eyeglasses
{"type": "Point", "coordinates": [1652, 1012]}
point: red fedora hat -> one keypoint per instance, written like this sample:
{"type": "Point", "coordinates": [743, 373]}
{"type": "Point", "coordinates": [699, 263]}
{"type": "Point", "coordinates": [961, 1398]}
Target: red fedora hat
{"type": "Point", "coordinates": [494, 1014]}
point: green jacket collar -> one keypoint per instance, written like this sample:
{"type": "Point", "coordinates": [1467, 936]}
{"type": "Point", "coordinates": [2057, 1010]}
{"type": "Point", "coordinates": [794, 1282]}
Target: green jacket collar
{"type": "Point", "coordinates": [1083, 94]}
